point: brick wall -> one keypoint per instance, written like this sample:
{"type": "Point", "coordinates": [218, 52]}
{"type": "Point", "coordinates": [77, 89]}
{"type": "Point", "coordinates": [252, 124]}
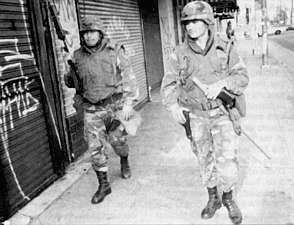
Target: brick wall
{"type": "Point", "coordinates": [78, 145]}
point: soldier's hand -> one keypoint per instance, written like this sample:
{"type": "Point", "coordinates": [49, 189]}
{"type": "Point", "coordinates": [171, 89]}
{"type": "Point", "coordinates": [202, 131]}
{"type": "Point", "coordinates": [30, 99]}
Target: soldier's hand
{"type": "Point", "coordinates": [213, 90]}
{"type": "Point", "coordinates": [177, 113]}
{"type": "Point", "coordinates": [127, 111]}
{"type": "Point", "coordinates": [66, 57]}
{"type": "Point", "coordinates": [68, 80]}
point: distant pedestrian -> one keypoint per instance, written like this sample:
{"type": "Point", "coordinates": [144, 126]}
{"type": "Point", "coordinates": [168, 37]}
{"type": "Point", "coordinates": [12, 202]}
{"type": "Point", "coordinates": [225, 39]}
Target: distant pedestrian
{"type": "Point", "coordinates": [230, 31]}
{"type": "Point", "coordinates": [207, 78]}
{"type": "Point", "coordinates": [108, 85]}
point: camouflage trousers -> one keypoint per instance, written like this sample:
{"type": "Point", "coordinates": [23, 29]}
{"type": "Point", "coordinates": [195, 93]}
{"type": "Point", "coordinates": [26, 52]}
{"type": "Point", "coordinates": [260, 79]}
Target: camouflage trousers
{"type": "Point", "coordinates": [101, 140]}
{"type": "Point", "coordinates": [215, 144]}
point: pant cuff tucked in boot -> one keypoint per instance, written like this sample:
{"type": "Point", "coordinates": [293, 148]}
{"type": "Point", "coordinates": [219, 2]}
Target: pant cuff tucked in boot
{"type": "Point", "coordinates": [213, 204]}
{"type": "Point", "coordinates": [233, 210]}
{"type": "Point", "coordinates": [126, 172]}
{"type": "Point", "coordinates": [104, 188]}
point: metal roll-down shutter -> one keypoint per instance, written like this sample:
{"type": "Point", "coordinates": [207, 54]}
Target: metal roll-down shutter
{"type": "Point", "coordinates": [25, 157]}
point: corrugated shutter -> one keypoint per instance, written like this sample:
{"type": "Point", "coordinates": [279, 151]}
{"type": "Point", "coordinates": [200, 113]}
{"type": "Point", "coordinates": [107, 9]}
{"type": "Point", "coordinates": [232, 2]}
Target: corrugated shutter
{"type": "Point", "coordinates": [122, 22]}
{"type": "Point", "coordinates": [25, 154]}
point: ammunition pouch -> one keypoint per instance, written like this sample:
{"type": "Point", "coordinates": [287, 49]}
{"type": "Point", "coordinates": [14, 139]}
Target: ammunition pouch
{"type": "Point", "coordinates": [236, 106]}
{"type": "Point", "coordinates": [240, 104]}
{"type": "Point", "coordinates": [235, 116]}
{"type": "Point", "coordinates": [233, 101]}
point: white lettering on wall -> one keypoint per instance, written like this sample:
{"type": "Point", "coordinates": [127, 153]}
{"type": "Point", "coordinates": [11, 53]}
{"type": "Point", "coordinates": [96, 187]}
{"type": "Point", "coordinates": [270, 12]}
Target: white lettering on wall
{"type": "Point", "coordinates": [13, 91]}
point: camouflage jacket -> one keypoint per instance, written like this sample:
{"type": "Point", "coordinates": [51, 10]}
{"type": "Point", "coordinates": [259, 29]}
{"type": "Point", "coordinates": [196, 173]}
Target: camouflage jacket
{"type": "Point", "coordinates": [217, 61]}
{"type": "Point", "coordinates": [105, 71]}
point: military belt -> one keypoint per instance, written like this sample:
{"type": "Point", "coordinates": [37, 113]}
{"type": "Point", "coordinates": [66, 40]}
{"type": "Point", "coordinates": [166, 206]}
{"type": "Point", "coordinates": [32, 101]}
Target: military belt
{"type": "Point", "coordinates": [106, 101]}
{"type": "Point", "coordinates": [213, 104]}
{"type": "Point", "coordinates": [208, 110]}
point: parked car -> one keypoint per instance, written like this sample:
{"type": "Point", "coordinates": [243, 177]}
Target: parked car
{"type": "Point", "coordinates": [290, 28]}
{"type": "Point", "coordinates": [277, 30]}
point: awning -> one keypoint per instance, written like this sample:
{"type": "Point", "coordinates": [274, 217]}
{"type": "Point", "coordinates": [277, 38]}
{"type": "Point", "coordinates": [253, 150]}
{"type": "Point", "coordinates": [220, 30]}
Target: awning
{"type": "Point", "coordinates": [224, 9]}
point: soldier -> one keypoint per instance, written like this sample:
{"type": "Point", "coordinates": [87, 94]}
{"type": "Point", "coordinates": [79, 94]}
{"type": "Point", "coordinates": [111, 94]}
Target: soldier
{"type": "Point", "coordinates": [108, 85]}
{"type": "Point", "coordinates": [200, 70]}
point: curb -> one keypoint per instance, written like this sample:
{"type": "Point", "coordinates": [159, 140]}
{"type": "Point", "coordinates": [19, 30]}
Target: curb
{"type": "Point", "coordinates": [40, 204]}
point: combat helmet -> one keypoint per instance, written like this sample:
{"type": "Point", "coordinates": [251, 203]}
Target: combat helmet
{"type": "Point", "coordinates": [91, 23]}
{"type": "Point", "coordinates": [198, 10]}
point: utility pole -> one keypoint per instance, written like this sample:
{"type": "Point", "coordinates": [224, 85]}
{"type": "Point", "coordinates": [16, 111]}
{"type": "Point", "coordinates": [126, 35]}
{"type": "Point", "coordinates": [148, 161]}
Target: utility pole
{"type": "Point", "coordinates": [264, 33]}
{"type": "Point", "coordinates": [291, 17]}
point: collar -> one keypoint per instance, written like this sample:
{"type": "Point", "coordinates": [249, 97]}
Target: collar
{"type": "Point", "coordinates": [195, 47]}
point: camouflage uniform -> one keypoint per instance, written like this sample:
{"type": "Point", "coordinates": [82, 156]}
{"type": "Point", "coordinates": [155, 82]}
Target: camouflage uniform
{"type": "Point", "coordinates": [100, 114]}
{"type": "Point", "coordinates": [214, 141]}
{"type": "Point", "coordinates": [100, 140]}
{"type": "Point", "coordinates": [215, 144]}
{"type": "Point", "coordinates": [108, 83]}
{"type": "Point", "coordinates": [208, 128]}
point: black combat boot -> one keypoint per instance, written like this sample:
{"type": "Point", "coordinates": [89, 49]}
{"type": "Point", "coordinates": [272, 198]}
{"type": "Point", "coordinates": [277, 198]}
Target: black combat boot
{"type": "Point", "coordinates": [213, 204]}
{"type": "Point", "coordinates": [233, 210]}
{"type": "Point", "coordinates": [104, 188]}
{"type": "Point", "coordinates": [125, 167]}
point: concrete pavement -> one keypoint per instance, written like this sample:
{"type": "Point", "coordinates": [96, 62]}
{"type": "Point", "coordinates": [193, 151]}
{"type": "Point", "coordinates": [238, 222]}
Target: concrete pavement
{"type": "Point", "coordinates": [165, 187]}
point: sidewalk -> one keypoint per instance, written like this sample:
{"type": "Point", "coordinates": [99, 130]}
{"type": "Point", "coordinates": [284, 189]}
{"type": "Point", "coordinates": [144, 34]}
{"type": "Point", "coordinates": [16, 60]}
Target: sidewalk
{"type": "Point", "coordinates": [165, 187]}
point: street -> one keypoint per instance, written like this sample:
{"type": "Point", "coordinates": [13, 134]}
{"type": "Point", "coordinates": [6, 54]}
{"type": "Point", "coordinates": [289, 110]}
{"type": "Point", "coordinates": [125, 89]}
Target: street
{"type": "Point", "coordinates": [286, 39]}
{"type": "Point", "coordinates": [165, 187]}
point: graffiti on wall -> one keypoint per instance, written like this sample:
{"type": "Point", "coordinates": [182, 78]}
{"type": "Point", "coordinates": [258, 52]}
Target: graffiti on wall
{"type": "Point", "coordinates": [118, 26]}
{"type": "Point", "coordinates": [14, 92]}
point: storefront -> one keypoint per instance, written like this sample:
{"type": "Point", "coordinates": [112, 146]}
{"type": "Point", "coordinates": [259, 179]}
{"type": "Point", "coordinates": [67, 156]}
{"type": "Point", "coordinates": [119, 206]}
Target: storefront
{"type": "Point", "coordinates": [31, 146]}
{"type": "Point", "coordinates": [40, 131]}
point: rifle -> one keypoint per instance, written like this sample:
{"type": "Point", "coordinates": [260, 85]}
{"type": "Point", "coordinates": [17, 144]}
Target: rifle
{"type": "Point", "coordinates": [76, 79]}
{"type": "Point", "coordinates": [228, 101]}
{"type": "Point", "coordinates": [61, 36]}
{"type": "Point", "coordinates": [59, 31]}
